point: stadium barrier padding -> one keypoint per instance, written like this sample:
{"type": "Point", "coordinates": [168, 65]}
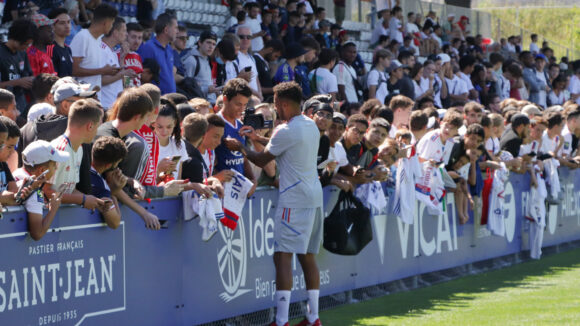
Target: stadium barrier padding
{"type": "Point", "coordinates": [82, 272]}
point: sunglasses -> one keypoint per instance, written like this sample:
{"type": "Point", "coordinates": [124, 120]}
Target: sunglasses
{"type": "Point", "coordinates": [325, 115]}
{"type": "Point", "coordinates": [245, 37]}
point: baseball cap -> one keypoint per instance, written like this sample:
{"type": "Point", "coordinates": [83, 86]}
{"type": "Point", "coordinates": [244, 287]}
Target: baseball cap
{"type": "Point", "coordinates": [444, 57]}
{"type": "Point", "coordinates": [294, 50]}
{"type": "Point", "coordinates": [395, 64]}
{"type": "Point", "coordinates": [40, 109]}
{"type": "Point", "coordinates": [67, 90]}
{"type": "Point", "coordinates": [41, 20]}
{"type": "Point", "coordinates": [540, 56]}
{"type": "Point", "coordinates": [323, 107]}
{"type": "Point", "coordinates": [339, 117]}
{"type": "Point", "coordinates": [450, 16]}
{"type": "Point", "coordinates": [207, 35]}
{"type": "Point", "coordinates": [41, 151]}
{"type": "Point", "coordinates": [531, 110]}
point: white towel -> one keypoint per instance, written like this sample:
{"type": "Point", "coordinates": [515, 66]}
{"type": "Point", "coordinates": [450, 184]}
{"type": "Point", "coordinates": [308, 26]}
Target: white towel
{"type": "Point", "coordinates": [495, 222]}
{"type": "Point", "coordinates": [210, 211]}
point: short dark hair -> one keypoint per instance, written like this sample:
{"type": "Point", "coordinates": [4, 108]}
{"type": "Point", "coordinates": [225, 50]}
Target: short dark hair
{"type": "Point", "coordinates": [554, 119]}
{"type": "Point", "coordinates": [215, 120]}
{"type": "Point", "coordinates": [519, 119]}
{"type": "Point", "coordinates": [183, 110]}
{"type": "Point", "coordinates": [163, 21]}
{"type": "Point", "coordinates": [134, 27]}
{"type": "Point", "coordinates": [385, 113]}
{"type": "Point", "coordinates": [357, 118]}
{"type": "Point", "coordinates": [309, 42]}
{"type": "Point", "coordinates": [495, 58]}
{"type": "Point", "coordinates": [227, 49]}
{"type": "Point", "coordinates": [116, 25]}
{"type": "Point", "coordinates": [55, 12]}
{"type": "Point", "coordinates": [153, 67]}
{"type": "Point", "coordinates": [403, 55]}
{"type": "Point", "coordinates": [176, 98]}
{"type": "Point", "coordinates": [326, 56]}
{"type": "Point", "coordinates": [132, 102]}
{"type": "Point", "coordinates": [6, 97]}
{"type": "Point", "coordinates": [108, 150]}
{"type": "Point", "coordinates": [236, 86]}
{"type": "Point", "coordinates": [194, 127]}
{"type": "Point", "coordinates": [380, 123]}
{"type": "Point", "coordinates": [486, 121]}
{"type": "Point", "coordinates": [42, 84]}
{"type": "Point", "coordinates": [13, 130]}
{"type": "Point", "coordinates": [22, 30]}
{"type": "Point", "coordinates": [466, 61]}
{"type": "Point", "coordinates": [418, 120]}
{"type": "Point", "coordinates": [104, 11]}
{"type": "Point", "coordinates": [475, 129]}
{"type": "Point", "coordinates": [289, 91]}
{"type": "Point", "coordinates": [84, 111]}
{"type": "Point", "coordinates": [276, 45]}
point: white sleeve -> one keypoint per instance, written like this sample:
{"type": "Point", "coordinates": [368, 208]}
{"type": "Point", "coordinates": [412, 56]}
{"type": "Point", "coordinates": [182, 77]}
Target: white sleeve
{"type": "Point", "coordinates": [332, 84]}
{"type": "Point", "coordinates": [462, 87]}
{"type": "Point", "coordinates": [373, 78]}
{"type": "Point", "coordinates": [79, 46]}
{"type": "Point", "coordinates": [281, 140]}
{"type": "Point", "coordinates": [340, 72]}
{"type": "Point", "coordinates": [35, 203]}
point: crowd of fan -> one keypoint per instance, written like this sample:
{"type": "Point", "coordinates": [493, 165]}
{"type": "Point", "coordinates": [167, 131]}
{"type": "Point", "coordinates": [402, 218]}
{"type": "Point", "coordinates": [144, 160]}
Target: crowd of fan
{"type": "Point", "coordinates": [122, 112]}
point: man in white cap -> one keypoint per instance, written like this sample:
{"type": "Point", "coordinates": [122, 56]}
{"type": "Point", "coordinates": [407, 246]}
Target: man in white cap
{"type": "Point", "coordinates": [39, 157]}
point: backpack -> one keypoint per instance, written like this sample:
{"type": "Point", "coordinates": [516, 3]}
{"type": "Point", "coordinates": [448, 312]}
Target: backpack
{"type": "Point", "coordinates": [356, 83]}
{"type": "Point", "coordinates": [365, 85]}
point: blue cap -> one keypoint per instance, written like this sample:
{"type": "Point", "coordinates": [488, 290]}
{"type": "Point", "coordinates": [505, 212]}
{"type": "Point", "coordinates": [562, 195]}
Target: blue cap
{"type": "Point", "coordinates": [540, 56]}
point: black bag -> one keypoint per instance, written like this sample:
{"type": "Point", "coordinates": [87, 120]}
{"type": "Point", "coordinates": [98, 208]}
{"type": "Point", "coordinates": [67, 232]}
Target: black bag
{"type": "Point", "coordinates": [189, 88]}
{"type": "Point", "coordinates": [348, 229]}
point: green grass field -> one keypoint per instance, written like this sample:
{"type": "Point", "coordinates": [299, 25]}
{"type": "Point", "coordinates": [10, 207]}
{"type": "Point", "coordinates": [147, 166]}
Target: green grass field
{"type": "Point", "coordinates": [544, 292]}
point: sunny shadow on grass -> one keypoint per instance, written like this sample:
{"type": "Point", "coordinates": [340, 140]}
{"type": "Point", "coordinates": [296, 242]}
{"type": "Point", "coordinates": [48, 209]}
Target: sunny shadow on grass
{"type": "Point", "coordinates": [533, 293]}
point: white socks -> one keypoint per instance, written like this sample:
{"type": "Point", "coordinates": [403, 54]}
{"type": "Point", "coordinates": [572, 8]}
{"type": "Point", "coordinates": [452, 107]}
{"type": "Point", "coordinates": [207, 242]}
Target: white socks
{"type": "Point", "coordinates": [283, 305]}
{"type": "Point", "coordinates": [313, 305]}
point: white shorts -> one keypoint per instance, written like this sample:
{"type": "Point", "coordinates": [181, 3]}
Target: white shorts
{"type": "Point", "coordinates": [298, 230]}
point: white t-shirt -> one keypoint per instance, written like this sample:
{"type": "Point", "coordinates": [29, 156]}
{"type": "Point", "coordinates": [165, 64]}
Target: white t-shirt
{"type": "Point", "coordinates": [377, 32]}
{"type": "Point", "coordinates": [534, 48]}
{"type": "Point", "coordinates": [566, 149]}
{"type": "Point", "coordinates": [231, 72]}
{"type": "Point", "coordinates": [171, 150]}
{"type": "Point", "coordinates": [35, 203]}
{"type": "Point", "coordinates": [558, 99]}
{"type": "Point", "coordinates": [344, 76]}
{"type": "Point", "coordinates": [373, 79]}
{"type": "Point", "coordinates": [437, 83]}
{"type": "Point", "coordinates": [109, 92]}
{"type": "Point", "coordinates": [430, 147]}
{"type": "Point", "coordinates": [85, 46]}
{"type": "Point", "coordinates": [542, 95]}
{"type": "Point", "coordinates": [467, 80]}
{"type": "Point", "coordinates": [492, 145]}
{"type": "Point", "coordinates": [325, 81]}
{"type": "Point", "coordinates": [68, 172]}
{"type": "Point", "coordinates": [247, 60]}
{"type": "Point", "coordinates": [411, 28]}
{"type": "Point", "coordinates": [456, 86]}
{"type": "Point", "coordinates": [258, 42]}
{"type": "Point", "coordinates": [574, 87]}
{"type": "Point", "coordinates": [296, 155]}
{"type": "Point", "coordinates": [549, 144]}
{"type": "Point", "coordinates": [394, 32]}
{"type": "Point", "coordinates": [528, 148]}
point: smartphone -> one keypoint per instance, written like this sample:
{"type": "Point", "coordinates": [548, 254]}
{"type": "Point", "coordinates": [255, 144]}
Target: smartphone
{"type": "Point", "coordinates": [176, 158]}
{"type": "Point", "coordinates": [164, 224]}
{"type": "Point", "coordinates": [248, 69]}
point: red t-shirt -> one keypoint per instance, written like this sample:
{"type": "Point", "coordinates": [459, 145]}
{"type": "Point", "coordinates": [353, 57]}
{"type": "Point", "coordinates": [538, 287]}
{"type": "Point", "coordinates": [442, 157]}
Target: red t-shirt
{"type": "Point", "coordinates": [133, 61]}
{"type": "Point", "coordinates": [149, 177]}
{"type": "Point", "coordinates": [40, 62]}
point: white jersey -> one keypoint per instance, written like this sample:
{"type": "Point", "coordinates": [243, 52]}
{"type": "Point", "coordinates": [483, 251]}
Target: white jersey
{"type": "Point", "coordinates": [67, 173]}
{"type": "Point", "coordinates": [424, 85]}
{"type": "Point", "coordinates": [408, 171]}
{"type": "Point", "coordinates": [325, 81]}
{"type": "Point", "coordinates": [430, 147]}
{"type": "Point", "coordinates": [379, 79]}
{"type": "Point", "coordinates": [492, 145]}
{"type": "Point", "coordinates": [110, 92]}
{"type": "Point", "coordinates": [456, 86]}
{"type": "Point", "coordinates": [345, 76]}
{"type": "Point", "coordinates": [467, 80]}
{"type": "Point", "coordinates": [566, 149]}
{"type": "Point", "coordinates": [338, 154]}
{"type": "Point", "coordinates": [536, 213]}
{"type": "Point", "coordinates": [495, 222]}
{"type": "Point", "coordinates": [296, 155]}
{"type": "Point", "coordinates": [574, 87]}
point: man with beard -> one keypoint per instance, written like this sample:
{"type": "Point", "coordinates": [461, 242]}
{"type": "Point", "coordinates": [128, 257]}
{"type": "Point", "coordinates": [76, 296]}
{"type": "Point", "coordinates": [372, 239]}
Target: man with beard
{"type": "Point", "coordinates": [269, 53]}
{"type": "Point", "coordinates": [294, 55]}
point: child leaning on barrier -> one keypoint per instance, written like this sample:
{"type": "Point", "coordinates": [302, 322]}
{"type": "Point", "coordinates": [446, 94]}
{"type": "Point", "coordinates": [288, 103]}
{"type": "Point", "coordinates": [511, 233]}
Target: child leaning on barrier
{"type": "Point", "coordinates": [39, 164]}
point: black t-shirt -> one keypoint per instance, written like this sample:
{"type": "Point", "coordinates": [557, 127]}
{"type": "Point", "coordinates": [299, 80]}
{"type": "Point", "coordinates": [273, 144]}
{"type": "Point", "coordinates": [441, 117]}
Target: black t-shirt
{"type": "Point", "coordinates": [61, 59]}
{"type": "Point", "coordinates": [193, 168]}
{"type": "Point", "coordinates": [15, 65]}
{"type": "Point", "coordinates": [5, 176]}
{"type": "Point", "coordinates": [263, 72]}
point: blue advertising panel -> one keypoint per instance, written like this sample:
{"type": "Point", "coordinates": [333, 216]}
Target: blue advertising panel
{"type": "Point", "coordinates": [82, 272]}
